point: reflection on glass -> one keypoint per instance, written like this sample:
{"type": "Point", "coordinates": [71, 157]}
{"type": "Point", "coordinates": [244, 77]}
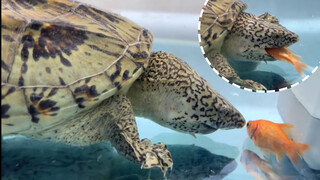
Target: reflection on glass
{"type": "Point", "coordinates": [29, 159]}
{"type": "Point", "coordinates": [268, 168]}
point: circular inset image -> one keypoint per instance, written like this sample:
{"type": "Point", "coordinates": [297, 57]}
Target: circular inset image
{"type": "Point", "coordinates": [255, 52]}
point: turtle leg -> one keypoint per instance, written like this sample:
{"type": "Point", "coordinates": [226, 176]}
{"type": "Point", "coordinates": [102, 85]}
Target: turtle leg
{"type": "Point", "coordinates": [220, 63]}
{"type": "Point", "coordinates": [112, 120]}
{"type": "Point", "coordinates": [124, 136]}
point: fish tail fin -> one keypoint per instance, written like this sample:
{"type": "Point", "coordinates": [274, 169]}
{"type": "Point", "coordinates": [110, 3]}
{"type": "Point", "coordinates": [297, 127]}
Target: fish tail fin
{"type": "Point", "coordinates": [299, 66]}
{"type": "Point", "coordinates": [296, 151]}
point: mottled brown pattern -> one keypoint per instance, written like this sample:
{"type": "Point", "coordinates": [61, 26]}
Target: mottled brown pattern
{"type": "Point", "coordinates": [69, 70]}
{"type": "Point", "coordinates": [111, 120]}
{"type": "Point", "coordinates": [45, 48]}
{"type": "Point", "coordinates": [60, 42]}
{"type": "Point", "coordinates": [219, 62]}
{"type": "Point", "coordinates": [217, 19]}
{"type": "Point", "coordinates": [263, 32]}
{"type": "Point", "coordinates": [52, 41]}
{"type": "Point", "coordinates": [60, 60]}
{"type": "Point", "coordinates": [191, 104]}
{"type": "Point", "coordinates": [4, 111]}
{"type": "Point", "coordinates": [12, 26]}
{"type": "Point", "coordinates": [228, 32]}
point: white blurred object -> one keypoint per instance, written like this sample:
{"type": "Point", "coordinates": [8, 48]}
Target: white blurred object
{"type": "Point", "coordinates": [300, 106]}
{"type": "Point", "coordinates": [165, 19]}
{"type": "Point", "coordinates": [164, 25]}
{"type": "Point", "coordinates": [308, 94]}
{"type": "Point", "coordinates": [169, 6]}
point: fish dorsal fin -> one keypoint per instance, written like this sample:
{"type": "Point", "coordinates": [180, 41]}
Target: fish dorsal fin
{"type": "Point", "coordinates": [286, 128]}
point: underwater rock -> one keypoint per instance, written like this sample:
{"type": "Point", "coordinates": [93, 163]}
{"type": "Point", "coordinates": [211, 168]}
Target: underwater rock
{"type": "Point", "coordinates": [243, 66]}
{"type": "Point", "coordinates": [201, 141]}
{"type": "Point", "coordinates": [24, 158]}
{"type": "Point", "coordinates": [270, 80]}
{"type": "Point", "coordinates": [193, 162]}
{"type": "Point", "coordinates": [248, 70]}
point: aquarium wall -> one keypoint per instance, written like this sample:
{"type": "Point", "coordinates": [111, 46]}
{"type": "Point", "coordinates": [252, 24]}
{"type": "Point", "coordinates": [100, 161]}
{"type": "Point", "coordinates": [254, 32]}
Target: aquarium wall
{"type": "Point", "coordinates": [300, 106]}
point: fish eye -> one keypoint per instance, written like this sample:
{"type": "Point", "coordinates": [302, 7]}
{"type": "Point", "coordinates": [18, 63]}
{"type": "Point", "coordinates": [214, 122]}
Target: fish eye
{"type": "Point", "coordinates": [248, 124]}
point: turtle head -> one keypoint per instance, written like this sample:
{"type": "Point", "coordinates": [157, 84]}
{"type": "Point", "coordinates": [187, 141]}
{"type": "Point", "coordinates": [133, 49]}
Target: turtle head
{"type": "Point", "coordinates": [251, 35]}
{"type": "Point", "coordinates": [173, 95]}
{"type": "Point", "coordinates": [198, 108]}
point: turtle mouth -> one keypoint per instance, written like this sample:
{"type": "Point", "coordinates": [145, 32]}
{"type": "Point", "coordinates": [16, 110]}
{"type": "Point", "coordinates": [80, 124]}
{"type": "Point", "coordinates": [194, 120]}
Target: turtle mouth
{"type": "Point", "coordinates": [282, 53]}
{"type": "Point", "coordinates": [241, 124]}
{"type": "Point", "coordinates": [293, 40]}
{"type": "Point", "coordinates": [270, 55]}
{"type": "Point", "coordinates": [209, 127]}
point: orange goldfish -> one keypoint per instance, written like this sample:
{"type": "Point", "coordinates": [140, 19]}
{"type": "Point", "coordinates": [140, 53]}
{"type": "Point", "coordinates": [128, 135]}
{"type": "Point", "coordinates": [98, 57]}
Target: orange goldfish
{"type": "Point", "coordinates": [272, 138]}
{"type": "Point", "coordinates": [285, 54]}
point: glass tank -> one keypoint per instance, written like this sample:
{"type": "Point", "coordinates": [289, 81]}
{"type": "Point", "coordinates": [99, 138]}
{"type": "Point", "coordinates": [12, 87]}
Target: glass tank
{"type": "Point", "coordinates": [229, 153]}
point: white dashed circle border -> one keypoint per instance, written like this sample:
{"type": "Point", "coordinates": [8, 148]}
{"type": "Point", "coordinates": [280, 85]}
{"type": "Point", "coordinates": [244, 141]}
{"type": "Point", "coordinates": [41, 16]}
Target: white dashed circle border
{"type": "Point", "coordinates": [246, 89]}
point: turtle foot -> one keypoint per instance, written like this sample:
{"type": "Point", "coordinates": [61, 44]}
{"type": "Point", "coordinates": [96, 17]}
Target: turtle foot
{"type": "Point", "coordinates": [154, 155]}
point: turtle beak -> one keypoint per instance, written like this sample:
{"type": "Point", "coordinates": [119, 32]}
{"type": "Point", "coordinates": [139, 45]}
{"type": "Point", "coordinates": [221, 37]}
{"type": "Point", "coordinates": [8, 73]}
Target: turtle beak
{"type": "Point", "coordinates": [232, 119]}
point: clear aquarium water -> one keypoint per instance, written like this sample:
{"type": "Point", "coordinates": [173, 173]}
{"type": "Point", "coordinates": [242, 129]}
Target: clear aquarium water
{"type": "Point", "coordinates": [224, 154]}
{"type": "Point", "coordinates": [213, 156]}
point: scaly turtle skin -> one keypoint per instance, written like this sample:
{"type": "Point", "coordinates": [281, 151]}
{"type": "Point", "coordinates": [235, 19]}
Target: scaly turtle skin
{"type": "Point", "coordinates": [228, 32]}
{"type": "Point", "coordinates": [67, 71]}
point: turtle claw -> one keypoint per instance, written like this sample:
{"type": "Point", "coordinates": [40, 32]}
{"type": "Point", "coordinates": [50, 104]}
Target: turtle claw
{"type": "Point", "coordinates": [156, 155]}
{"type": "Point", "coordinates": [255, 85]}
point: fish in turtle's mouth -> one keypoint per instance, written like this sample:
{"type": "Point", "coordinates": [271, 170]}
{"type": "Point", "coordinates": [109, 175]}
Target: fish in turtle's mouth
{"type": "Point", "coordinates": [273, 55]}
{"type": "Point", "coordinates": [285, 54]}
{"type": "Point", "coordinates": [281, 48]}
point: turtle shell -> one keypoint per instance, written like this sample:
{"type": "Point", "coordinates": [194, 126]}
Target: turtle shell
{"type": "Point", "coordinates": [59, 58]}
{"type": "Point", "coordinates": [216, 21]}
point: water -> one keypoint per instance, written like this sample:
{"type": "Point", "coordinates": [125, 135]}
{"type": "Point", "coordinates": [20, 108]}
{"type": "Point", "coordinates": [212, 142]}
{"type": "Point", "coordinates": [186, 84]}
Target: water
{"type": "Point", "coordinates": [225, 150]}
{"type": "Point", "coordinates": [27, 158]}
{"type": "Point", "coordinates": [249, 104]}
